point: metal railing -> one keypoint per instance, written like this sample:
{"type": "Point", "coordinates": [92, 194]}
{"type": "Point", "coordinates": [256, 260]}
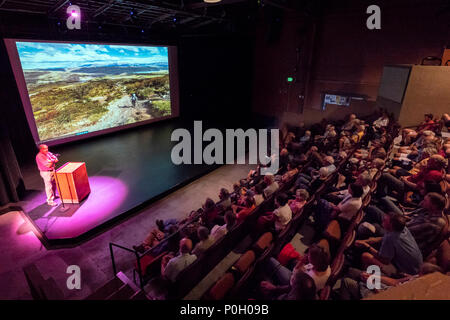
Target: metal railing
{"type": "Point", "coordinates": [138, 261]}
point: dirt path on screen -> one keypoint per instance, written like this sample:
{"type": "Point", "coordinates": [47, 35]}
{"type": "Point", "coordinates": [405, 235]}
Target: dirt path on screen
{"type": "Point", "coordinates": [120, 112]}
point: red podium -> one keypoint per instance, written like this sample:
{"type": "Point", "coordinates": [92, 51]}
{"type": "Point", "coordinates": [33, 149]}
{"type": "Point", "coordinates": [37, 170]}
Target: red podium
{"type": "Point", "coordinates": [73, 184]}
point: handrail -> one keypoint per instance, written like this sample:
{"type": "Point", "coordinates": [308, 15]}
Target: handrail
{"type": "Point", "coordinates": [138, 260]}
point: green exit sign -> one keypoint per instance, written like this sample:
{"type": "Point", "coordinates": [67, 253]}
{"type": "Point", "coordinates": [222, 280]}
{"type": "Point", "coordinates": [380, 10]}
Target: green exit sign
{"type": "Point", "coordinates": [290, 79]}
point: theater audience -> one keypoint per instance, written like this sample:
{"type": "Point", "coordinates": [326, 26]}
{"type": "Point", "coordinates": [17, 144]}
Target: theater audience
{"type": "Point", "coordinates": [402, 223]}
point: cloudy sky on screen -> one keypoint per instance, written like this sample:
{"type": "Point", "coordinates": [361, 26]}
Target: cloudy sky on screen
{"type": "Point", "coordinates": [40, 55]}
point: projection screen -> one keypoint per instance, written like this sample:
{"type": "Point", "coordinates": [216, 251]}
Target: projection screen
{"type": "Point", "coordinates": [75, 90]}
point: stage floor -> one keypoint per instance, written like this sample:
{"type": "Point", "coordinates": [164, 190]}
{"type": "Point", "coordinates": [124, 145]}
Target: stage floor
{"type": "Point", "coordinates": [127, 170]}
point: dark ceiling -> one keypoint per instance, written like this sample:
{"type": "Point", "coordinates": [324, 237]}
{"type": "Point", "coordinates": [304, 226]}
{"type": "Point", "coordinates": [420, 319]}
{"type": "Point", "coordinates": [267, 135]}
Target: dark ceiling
{"type": "Point", "coordinates": [166, 14]}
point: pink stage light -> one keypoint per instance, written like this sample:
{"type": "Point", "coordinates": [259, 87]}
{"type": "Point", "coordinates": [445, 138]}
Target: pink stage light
{"type": "Point", "coordinates": [74, 14]}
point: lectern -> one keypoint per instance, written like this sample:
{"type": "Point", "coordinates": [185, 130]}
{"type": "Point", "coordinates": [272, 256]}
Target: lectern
{"type": "Point", "coordinates": [73, 184]}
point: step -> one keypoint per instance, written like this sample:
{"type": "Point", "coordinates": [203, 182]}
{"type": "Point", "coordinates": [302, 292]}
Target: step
{"type": "Point", "coordinates": [124, 293]}
{"type": "Point", "coordinates": [106, 290]}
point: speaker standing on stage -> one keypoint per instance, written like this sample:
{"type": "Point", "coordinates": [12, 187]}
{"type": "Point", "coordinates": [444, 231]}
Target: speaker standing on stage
{"type": "Point", "coordinates": [45, 161]}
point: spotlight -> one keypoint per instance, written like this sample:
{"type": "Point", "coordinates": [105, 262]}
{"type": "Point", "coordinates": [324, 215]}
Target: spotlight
{"type": "Point", "coordinates": [212, 1]}
{"type": "Point", "coordinates": [74, 14]}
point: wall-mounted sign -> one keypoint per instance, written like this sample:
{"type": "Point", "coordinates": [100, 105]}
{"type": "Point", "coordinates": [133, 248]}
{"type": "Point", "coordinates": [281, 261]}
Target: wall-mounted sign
{"type": "Point", "coordinates": [336, 100]}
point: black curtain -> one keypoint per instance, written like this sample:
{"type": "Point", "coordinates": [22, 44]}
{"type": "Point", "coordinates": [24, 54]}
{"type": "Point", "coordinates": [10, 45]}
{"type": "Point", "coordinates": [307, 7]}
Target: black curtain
{"type": "Point", "coordinates": [11, 180]}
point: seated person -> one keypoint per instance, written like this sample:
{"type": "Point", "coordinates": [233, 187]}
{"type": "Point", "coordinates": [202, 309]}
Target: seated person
{"type": "Point", "coordinates": [427, 222]}
{"type": "Point", "coordinates": [225, 199]}
{"type": "Point", "coordinates": [359, 133]}
{"type": "Point", "coordinates": [344, 211]}
{"type": "Point", "coordinates": [375, 166]}
{"type": "Point", "coordinates": [363, 180]}
{"type": "Point", "coordinates": [445, 123]}
{"type": "Point", "coordinates": [258, 197]}
{"type": "Point", "coordinates": [305, 139]}
{"type": "Point", "coordinates": [354, 286]}
{"type": "Point", "coordinates": [306, 179]}
{"type": "Point", "coordinates": [350, 124]}
{"type": "Point", "coordinates": [409, 134]}
{"type": "Point", "coordinates": [382, 121]}
{"type": "Point", "coordinates": [244, 210]}
{"type": "Point", "coordinates": [218, 231]}
{"type": "Point", "coordinates": [299, 287]}
{"type": "Point", "coordinates": [399, 251]}
{"type": "Point", "coordinates": [271, 185]}
{"type": "Point", "coordinates": [317, 182]}
{"type": "Point", "coordinates": [301, 197]}
{"type": "Point", "coordinates": [164, 229]}
{"type": "Point", "coordinates": [282, 213]}
{"type": "Point", "coordinates": [432, 172]}
{"type": "Point", "coordinates": [210, 213]}
{"type": "Point", "coordinates": [417, 167]}
{"type": "Point", "coordinates": [315, 264]}
{"type": "Point", "coordinates": [236, 192]}
{"type": "Point", "coordinates": [344, 142]}
{"type": "Point", "coordinates": [152, 239]}
{"type": "Point", "coordinates": [175, 265]}
{"type": "Point", "coordinates": [290, 172]}
{"type": "Point", "coordinates": [254, 177]}
{"type": "Point", "coordinates": [205, 241]}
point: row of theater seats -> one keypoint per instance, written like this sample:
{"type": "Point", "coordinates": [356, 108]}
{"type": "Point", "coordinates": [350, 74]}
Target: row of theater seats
{"type": "Point", "coordinates": [235, 286]}
{"type": "Point", "coordinates": [194, 273]}
{"type": "Point", "coordinates": [333, 242]}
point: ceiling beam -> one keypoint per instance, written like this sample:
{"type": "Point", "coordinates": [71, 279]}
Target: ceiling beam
{"type": "Point", "coordinates": [189, 19]}
{"type": "Point", "coordinates": [204, 4]}
{"type": "Point", "coordinates": [204, 23]}
{"type": "Point", "coordinates": [57, 6]}
{"type": "Point", "coordinates": [103, 8]}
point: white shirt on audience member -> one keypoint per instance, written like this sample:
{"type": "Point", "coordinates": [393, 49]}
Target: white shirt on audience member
{"type": "Point", "coordinates": [271, 189]}
{"type": "Point", "coordinates": [349, 206]}
{"type": "Point", "coordinates": [366, 190]}
{"type": "Point", "coordinates": [203, 245]}
{"type": "Point", "coordinates": [218, 232]}
{"type": "Point", "coordinates": [284, 216]}
{"type": "Point", "coordinates": [178, 264]}
{"type": "Point", "coordinates": [320, 279]}
{"type": "Point", "coordinates": [258, 199]}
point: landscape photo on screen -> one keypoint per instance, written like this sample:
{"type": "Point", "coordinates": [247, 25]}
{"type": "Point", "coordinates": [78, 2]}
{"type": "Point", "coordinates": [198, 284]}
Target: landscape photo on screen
{"type": "Point", "coordinates": [80, 88]}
